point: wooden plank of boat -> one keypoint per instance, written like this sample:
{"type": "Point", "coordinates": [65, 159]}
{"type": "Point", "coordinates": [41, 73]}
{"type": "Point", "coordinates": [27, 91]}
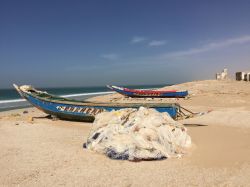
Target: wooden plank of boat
{"type": "Point", "coordinates": [148, 93]}
{"type": "Point", "coordinates": [71, 109]}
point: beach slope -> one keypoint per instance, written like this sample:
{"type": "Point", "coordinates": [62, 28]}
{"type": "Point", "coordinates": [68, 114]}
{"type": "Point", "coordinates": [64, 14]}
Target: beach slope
{"type": "Point", "coordinates": [42, 152]}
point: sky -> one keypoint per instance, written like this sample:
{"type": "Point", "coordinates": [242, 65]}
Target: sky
{"type": "Point", "coordinates": [70, 43]}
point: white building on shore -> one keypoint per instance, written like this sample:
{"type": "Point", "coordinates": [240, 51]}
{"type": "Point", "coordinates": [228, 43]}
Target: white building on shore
{"type": "Point", "coordinates": [222, 76]}
{"type": "Point", "coordinates": [242, 76]}
{"type": "Point", "coordinates": [247, 76]}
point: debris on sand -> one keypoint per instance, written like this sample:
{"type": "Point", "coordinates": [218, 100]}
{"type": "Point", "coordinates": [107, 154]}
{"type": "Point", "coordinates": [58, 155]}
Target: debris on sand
{"type": "Point", "coordinates": [30, 119]}
{"type": "Point", "coordinates": [143, 134]}
{"type": "Point", "coordinates": [15, 115]}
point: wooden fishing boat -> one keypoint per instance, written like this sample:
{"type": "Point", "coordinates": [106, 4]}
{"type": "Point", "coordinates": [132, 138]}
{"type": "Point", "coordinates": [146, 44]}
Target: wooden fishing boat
{"type": "Point", "coordinates": [71, 109]}
{"type": "Point", "coordinates": [148, 93]}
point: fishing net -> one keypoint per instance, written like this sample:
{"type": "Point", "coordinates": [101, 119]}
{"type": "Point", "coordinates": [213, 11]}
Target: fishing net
{"type": "Point", "coordinates": [137, 134]}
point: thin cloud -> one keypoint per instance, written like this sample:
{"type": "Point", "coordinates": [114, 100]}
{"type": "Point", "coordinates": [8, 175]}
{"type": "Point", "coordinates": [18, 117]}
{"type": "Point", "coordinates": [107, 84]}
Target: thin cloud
{"type": "Point", "coordinates": [110, 56]}
{"type": "Point", "coordinates": [210, 46]}
{"type": "Point", "coordinates": [137, 39]}
{"type": "Point", "coordinates": [156, 43]}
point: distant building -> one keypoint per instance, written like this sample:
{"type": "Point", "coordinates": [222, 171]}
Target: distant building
{"type": "Point", "coordinates": [223, 75]}
{"type": "Point", "coordinates": [247, 76]}
{"type": "Point", "coordinates": [242, 76]}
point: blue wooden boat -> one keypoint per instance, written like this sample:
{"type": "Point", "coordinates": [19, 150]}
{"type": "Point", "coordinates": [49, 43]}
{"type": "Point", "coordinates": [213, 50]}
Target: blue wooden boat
{"type": "Point", "coordinates": [71, 109]}
{"type": "Point", "coordinates": [148, 93]}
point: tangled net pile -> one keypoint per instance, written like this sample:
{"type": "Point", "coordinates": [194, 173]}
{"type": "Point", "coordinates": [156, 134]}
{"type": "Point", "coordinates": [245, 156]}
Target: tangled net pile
{"type": "Point", "coordinates": [137, 134]}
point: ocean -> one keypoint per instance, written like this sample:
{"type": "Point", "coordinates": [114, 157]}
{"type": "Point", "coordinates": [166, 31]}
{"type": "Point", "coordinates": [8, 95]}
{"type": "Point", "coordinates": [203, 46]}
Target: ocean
{"type": "Point", "coordinates": [10, 99]}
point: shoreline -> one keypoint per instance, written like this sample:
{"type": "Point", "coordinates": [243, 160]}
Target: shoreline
{"type": "Point", "coordinates": [45, 152]}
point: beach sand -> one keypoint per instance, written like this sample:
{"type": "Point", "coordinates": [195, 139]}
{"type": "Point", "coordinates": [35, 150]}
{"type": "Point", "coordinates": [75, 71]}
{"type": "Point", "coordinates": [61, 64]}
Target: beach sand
{"type": "Point", "coordinates": [43, 152]}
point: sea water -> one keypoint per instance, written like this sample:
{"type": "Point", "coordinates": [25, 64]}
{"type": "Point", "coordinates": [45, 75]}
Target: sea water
{"type": "Point", "coordinates": [10, 99]}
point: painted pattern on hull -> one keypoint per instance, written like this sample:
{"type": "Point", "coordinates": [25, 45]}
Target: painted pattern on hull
{"type": "Point", "coordinates": [85, 110]}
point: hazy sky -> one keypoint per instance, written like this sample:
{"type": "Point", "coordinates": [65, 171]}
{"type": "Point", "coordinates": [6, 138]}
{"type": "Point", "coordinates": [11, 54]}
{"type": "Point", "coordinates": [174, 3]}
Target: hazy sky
{"type": "Point", "coordinates": [83, 43]}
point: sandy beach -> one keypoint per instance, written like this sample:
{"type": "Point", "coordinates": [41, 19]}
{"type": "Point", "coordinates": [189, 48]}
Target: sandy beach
{"type": "Point", "coordinates": [44, 152]}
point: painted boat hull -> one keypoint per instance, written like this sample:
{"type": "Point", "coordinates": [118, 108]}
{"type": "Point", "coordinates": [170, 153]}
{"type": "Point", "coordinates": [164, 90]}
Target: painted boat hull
{"type": "Point", "coordinates": [84, 111]}
{"type": "Point", "coordinates": [149, 93]}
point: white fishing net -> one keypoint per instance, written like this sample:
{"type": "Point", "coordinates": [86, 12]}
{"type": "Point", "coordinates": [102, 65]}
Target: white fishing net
{"type": "Point", "coordinates": [143, 134]}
